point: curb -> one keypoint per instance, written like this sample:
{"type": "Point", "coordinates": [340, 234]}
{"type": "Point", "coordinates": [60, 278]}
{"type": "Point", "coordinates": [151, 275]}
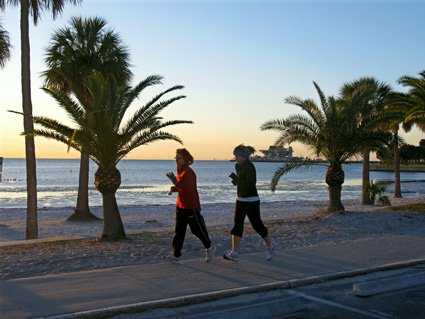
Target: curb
{"type": "Point", "coordinates": [221, 294]}
{"type": "Point", "coordinates": [380, 286]}
{"type": "Point", "coordinates": [39, 241]}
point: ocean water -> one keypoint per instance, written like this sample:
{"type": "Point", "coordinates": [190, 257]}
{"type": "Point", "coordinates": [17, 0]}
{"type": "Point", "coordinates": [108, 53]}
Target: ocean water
{"type": "Point", "coordinates": [144, 183]}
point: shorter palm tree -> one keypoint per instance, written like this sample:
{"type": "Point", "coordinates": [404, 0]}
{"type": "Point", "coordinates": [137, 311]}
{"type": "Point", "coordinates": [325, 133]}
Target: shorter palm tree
{"type": "Point", "coordinates": [331, 131]}
{"type": "Point", "coordinates": [103, 134]}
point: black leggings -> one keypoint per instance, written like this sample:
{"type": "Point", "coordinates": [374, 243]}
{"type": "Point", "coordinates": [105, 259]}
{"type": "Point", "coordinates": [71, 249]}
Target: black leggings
{"type": "Point", "coordinates": [196, 222]}
{"type": "Point", "coordinates": [252, 210]}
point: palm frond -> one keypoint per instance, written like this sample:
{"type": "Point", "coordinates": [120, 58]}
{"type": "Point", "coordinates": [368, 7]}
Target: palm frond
{"type": "Point", "coordinates": [275, 125]}
{"type": "Point", "coordinates": [310, 107]}
{"type": "Point", "coordinates": [150, 108]}
{"type": "Point", "coordinates": [289, 167]}
{"type": "Point", "coordinates": [4, 46]}
{"type": "Point", "coordinates": [322, 96]}
{"type": "Point", "coordinates": [74, 110]}
{"type": "Point", "coordinates": [146, 138]}
{"type": "Point", "coordinates": [57, 137]}
{"type": "Point", "coordinates": [144, 114]}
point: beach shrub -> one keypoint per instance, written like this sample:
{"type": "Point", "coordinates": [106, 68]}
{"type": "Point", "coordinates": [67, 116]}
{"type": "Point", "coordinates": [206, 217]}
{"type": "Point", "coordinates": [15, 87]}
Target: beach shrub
{"type": "Point", "coordinates": [377, 189]}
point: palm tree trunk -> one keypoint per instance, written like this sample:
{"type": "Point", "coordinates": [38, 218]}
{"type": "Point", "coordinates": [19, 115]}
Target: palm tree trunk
{"type": "Point", "coordinates": [107, 182]}
{"type": "Point", "coordinates": [335, 178]}
{"type": "Point", "coordinates": [366, 178]}
{"type": "Point", "coordinates": [31, 223]}
{"type": "Point", "coordinates": [335, 203]}
{"type": "Point", "coordinates": [397, 181]}
{"type": "Point", "coordinates": [113, 228]}
{"type": "Point", "coordinates": [82, 210]}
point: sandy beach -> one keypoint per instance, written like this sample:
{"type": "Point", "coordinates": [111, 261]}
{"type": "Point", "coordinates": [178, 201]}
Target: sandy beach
{"type": "Point", "coordinates": [150, 231]}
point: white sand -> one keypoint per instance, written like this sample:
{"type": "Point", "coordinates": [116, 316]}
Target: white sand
{"type": "Point", "coordinates": [52, 222]}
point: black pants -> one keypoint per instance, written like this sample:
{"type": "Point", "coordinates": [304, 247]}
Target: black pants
{"type": "Point", "coordinates": [252, 210]}
{"type": "Point", "coordinates": [196, 222]}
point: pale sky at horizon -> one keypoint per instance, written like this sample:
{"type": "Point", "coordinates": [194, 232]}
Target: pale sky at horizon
{"type": "Point", "coordinates": [238, 61]}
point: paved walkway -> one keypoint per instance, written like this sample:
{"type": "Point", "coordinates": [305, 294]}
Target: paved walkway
{"type": "Point", "coordinates": [107, 292]}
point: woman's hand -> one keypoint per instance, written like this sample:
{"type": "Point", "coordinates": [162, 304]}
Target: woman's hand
{"type": "Point", "coordinates": [234, 178]}
{"type": "Point", "coordinates": [172, 190]}
{"type": "Point", "coordinates": [172, 178]}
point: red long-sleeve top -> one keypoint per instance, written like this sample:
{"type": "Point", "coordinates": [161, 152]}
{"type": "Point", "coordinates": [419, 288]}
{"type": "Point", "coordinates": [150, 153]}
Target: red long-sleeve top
{"type": "Point", "coordinates": [188, 197]}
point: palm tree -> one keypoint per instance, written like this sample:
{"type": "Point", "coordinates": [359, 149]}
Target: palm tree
{"type": "Point", "coordinates": [4, 46]}
{"type": "Point", "coordinates": [373, 106]}
{"type": "Point", "coordinates": [415, 99]}
{"type": "Point", "coordinates": [398, 105]}
{"type": "Point", "coordinates": [331, 130]}
{"type": "Point", "coordinates": [409, 109]}
{"type": "Point", "coordinates": [74, 53]}
{"type": "Point", "coordinates": [101, 132]}
{"type": "Point", "coordinates": [35, 7]}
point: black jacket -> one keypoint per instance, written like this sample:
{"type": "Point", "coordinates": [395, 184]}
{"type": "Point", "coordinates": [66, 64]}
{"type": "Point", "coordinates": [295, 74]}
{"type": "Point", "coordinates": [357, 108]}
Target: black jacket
{"type": "Point", "coordinates": [246, 178]}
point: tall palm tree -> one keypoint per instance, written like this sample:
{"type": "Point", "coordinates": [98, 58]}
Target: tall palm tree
{"type": "Point", "coordinates": [4, 46]}
{"type": "Point", "coordinates": [331, 130]}
{"type": "Point", "coordinates": [75, 52]}
{"type": "Point", "coordinates": [103, 134]}
{"type": "Point", "coordinates": [33, 7]}
{"type": "Point", "coordinates": [373, 106]}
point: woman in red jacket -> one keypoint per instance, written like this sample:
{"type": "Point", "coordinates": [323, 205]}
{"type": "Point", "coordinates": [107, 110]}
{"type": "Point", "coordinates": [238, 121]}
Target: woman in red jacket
{"type": "Point", "coordinates": [188, 207]}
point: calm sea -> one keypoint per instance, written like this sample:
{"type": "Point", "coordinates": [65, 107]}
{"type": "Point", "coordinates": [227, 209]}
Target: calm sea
{"type": "Point", "coordinates": [144, 183]}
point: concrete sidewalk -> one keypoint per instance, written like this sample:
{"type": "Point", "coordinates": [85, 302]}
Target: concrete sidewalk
{"type": "Point", "coordinates": [108, 292]}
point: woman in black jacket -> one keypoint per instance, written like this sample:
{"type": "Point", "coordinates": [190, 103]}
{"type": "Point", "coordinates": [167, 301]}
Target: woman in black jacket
{"type": "Point", "coordinates": [247, 203]}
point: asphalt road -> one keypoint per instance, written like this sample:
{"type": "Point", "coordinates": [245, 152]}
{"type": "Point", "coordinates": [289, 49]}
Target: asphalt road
{"type": "Point", "coordinates": [403, 297]}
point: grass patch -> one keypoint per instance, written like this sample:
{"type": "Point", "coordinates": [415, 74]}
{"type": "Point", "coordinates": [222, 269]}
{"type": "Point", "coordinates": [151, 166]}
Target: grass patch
{"type": "Point", "coordinates": [420, 207]}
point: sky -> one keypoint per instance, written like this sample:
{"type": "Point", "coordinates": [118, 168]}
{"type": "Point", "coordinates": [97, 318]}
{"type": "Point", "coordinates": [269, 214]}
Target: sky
{"type": "Point", "coordinates": [238, 61]}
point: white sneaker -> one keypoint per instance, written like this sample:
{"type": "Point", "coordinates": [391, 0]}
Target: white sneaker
{"type": "Point", "coordinates": [270, 251]}
{"type": "Point", "coordinates": [231, 255]}
{"type": "Point", "coordinates": [209, 253]}
{"type": "Point", "coordinates": [171, 258]}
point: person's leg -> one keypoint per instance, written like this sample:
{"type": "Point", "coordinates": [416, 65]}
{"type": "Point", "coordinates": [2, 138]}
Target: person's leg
{"type": "Point", "coordinates": [198, 227]}
{"type": "Point", "coordinates": [179, 231]}
{"type": "Point", "coordinates": [254, 216]}
{"type": "Point", "coordinates": [237, 230]}
{"type": "Point", "coordinates": [235, 243]}
{"type": "Point", "coordinates": [268, 241]}
{"type": "Point", "coordinates": [236, 233]}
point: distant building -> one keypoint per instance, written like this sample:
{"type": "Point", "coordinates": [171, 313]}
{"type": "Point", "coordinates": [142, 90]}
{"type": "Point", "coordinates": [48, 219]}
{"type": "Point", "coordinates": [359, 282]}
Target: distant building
{"type": "Point", "coordinates": [275, 154]}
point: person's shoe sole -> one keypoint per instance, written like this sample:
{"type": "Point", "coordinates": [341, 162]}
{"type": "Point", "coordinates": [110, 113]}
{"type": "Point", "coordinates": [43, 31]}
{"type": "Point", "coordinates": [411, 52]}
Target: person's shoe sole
{"type": "Point", "coordinates": [212, 255]}
{"type": "Point", "coordinates": [171, 260]}
{"type": "Point", "coordinates": [231, 259]}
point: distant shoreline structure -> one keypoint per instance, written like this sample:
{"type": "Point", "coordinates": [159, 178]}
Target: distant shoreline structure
{"type": "Point", "coordinates": [276, 154]}
{"type": "Point", "coordinates": [403, 168]}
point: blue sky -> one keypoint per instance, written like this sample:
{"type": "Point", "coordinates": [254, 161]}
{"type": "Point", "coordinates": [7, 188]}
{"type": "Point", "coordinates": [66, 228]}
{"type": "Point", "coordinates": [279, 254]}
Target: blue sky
{"type": "Point", "coordinates": [238, 61]}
